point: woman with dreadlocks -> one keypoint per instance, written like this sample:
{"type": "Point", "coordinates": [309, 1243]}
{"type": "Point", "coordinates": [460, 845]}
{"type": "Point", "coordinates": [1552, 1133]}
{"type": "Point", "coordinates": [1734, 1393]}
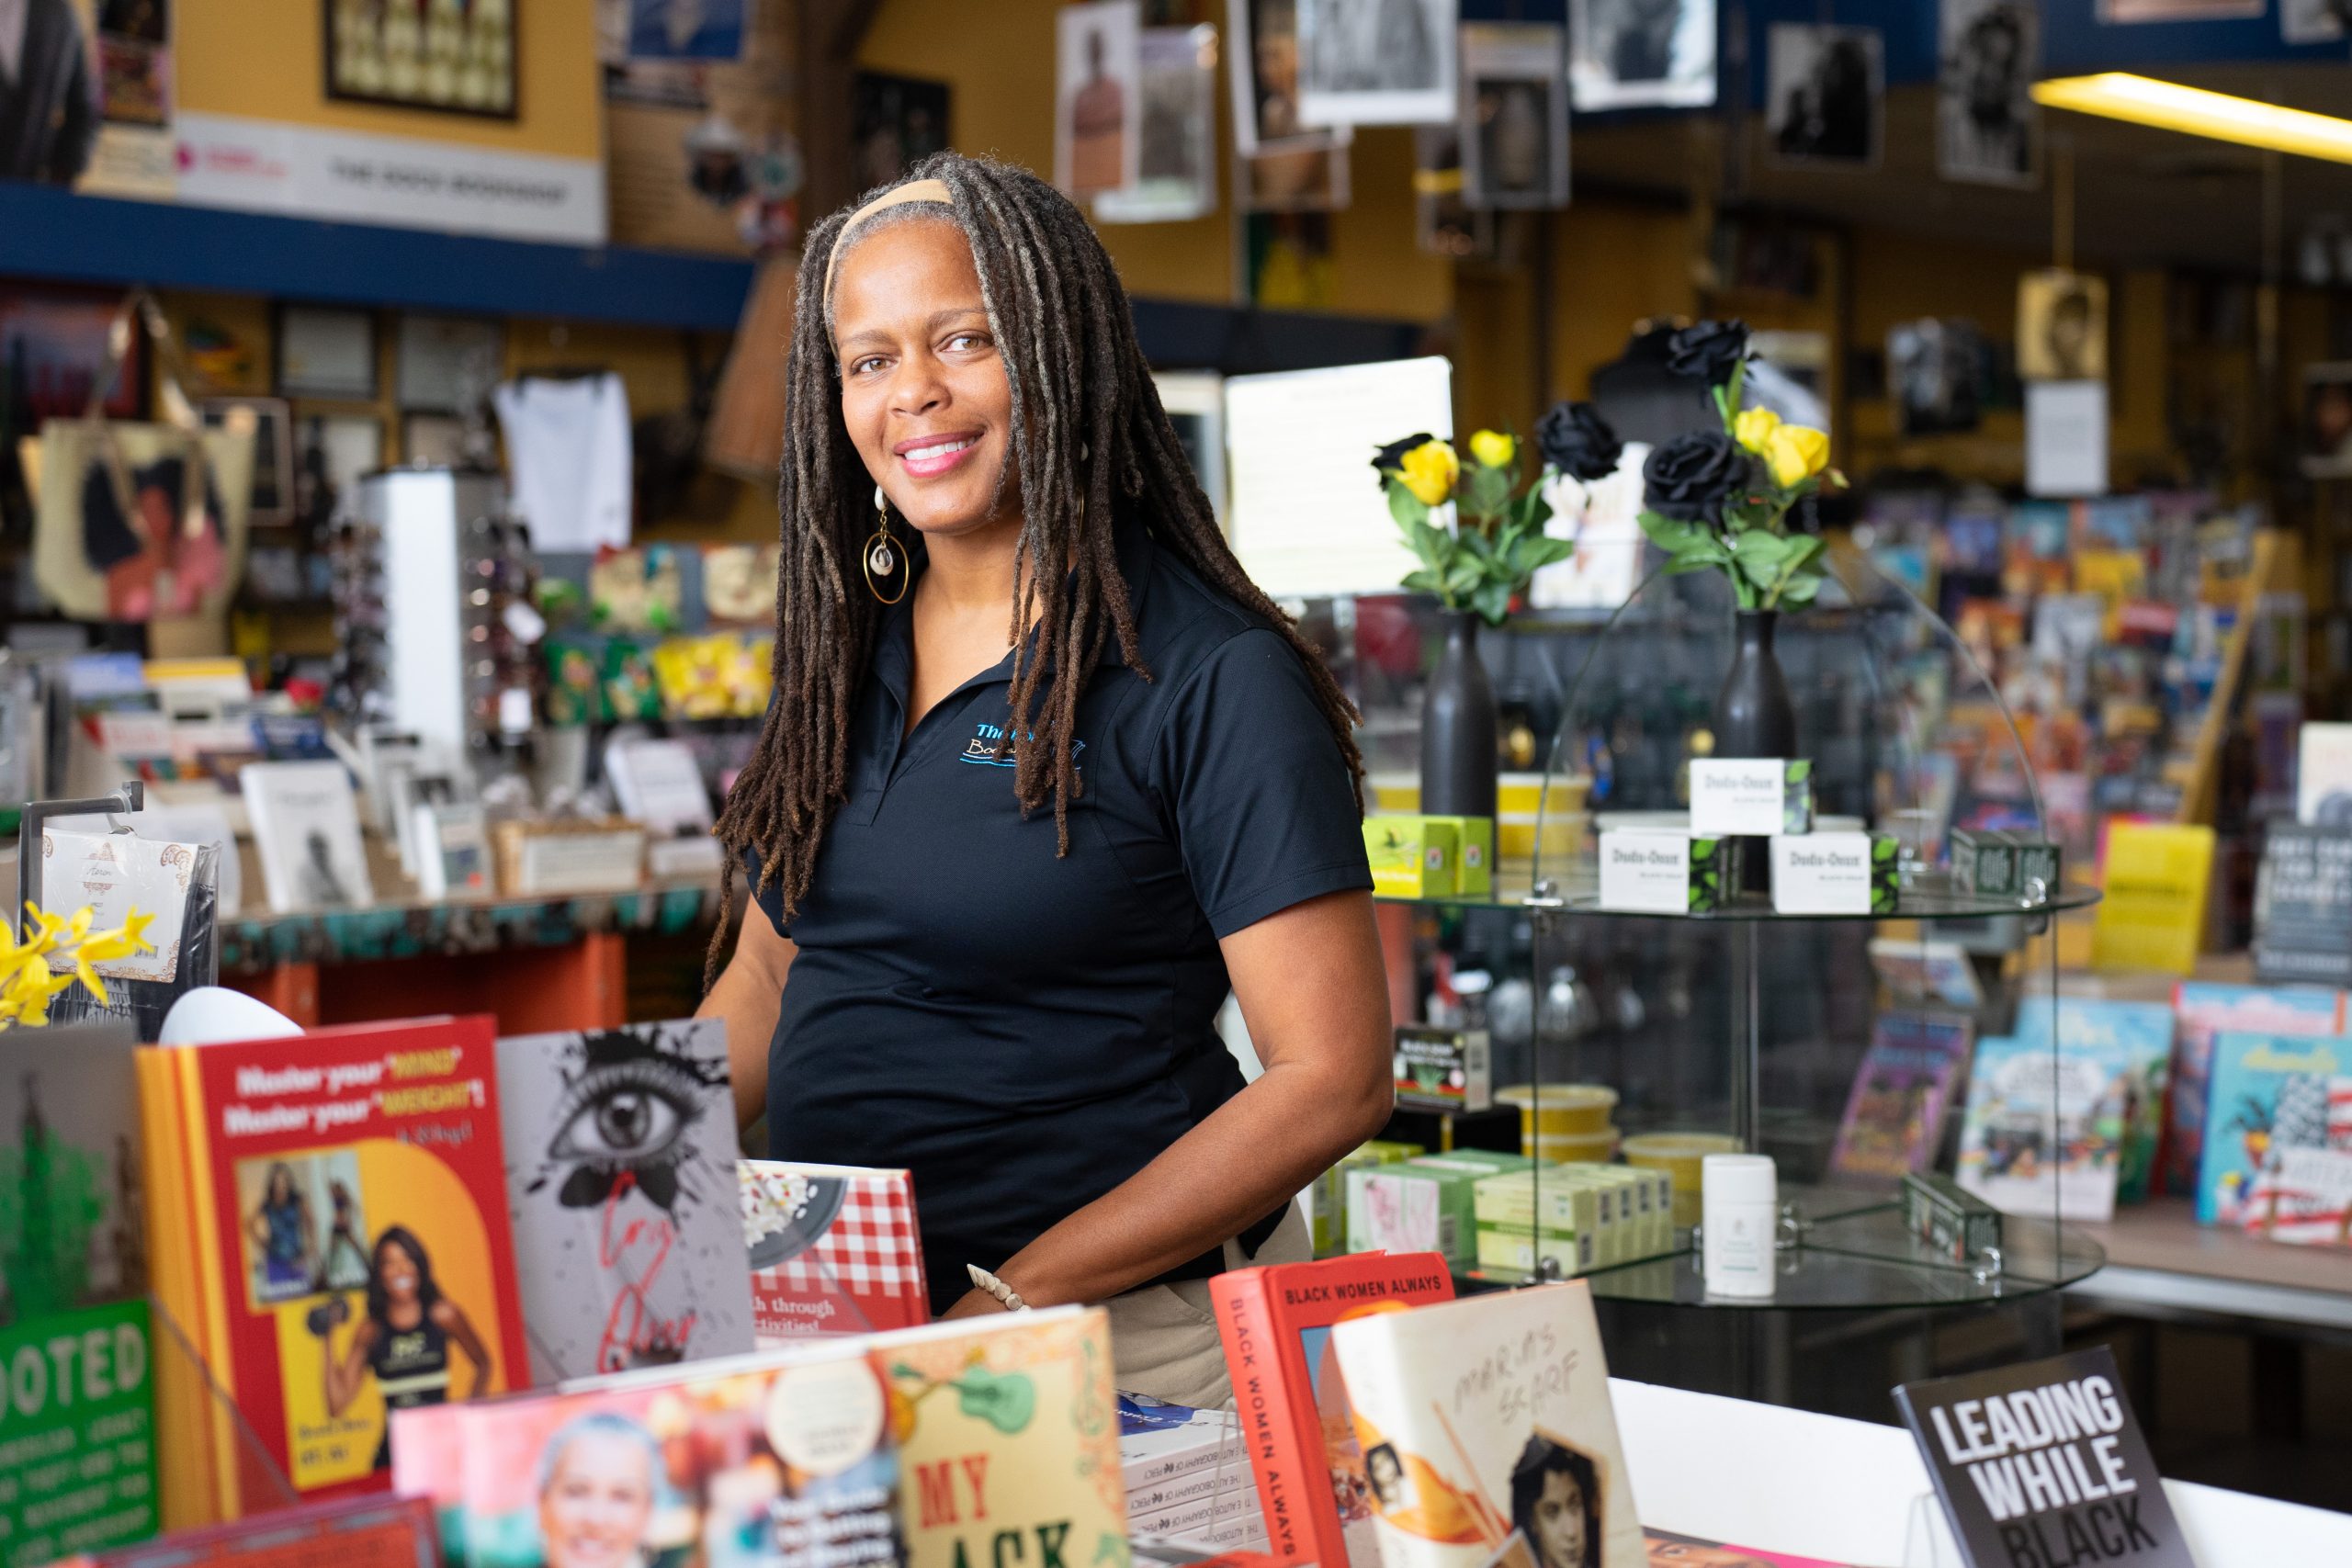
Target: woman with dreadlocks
{"type": "Point", "coordinates": [1044, 777]}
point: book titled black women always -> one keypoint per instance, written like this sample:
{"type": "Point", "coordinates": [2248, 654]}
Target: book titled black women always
{"type": "Point", "coordinates": [2043, 1466]}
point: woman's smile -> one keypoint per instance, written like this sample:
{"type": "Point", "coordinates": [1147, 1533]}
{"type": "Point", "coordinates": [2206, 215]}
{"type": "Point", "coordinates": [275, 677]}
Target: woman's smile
{"type": "Point", "coordinates": [927, 456]}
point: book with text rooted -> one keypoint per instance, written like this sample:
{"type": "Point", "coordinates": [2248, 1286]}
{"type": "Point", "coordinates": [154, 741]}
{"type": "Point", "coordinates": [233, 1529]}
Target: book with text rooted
{"type": "Point", "coordinates": [1009, 1431]}
{"type": "Point", "coordinates": [75, 1332]}
{"type": "Point", "coordinates": [1276, 1322]}
{"type": "Point", "coordinates": [620, 1186]}
{"type": "Point", "coordinates": [1894, 1116]}
{"type": "Point", "coordinates": [2043, 1463]}
{"type": "Point", "coordinates": [338, 1201]}
{"type": "Point", "coordinates": [834, 1249]}
{"type": "Point", "coordinates": [1488, 1436]}
{"type": "Point", "coordinates": [783, 1459]}
{"type": "Point", "coordinates": [2202, 1010]}
{"type": "Point", "coordinates": [2278, 1158]}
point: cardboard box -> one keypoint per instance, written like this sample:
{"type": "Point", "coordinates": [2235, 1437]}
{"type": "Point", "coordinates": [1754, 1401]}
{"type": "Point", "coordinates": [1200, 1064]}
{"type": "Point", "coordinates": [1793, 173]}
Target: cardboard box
{"type": "Point", "coordinates": [1412, 857]}
{"type": "Point", "coordinates": [1984, 863]}
{"type": "Point", "coordinates": [1509, 1251]}
{"type": "Point", "coordinates": [1414, 1207]}
{"type": "Point", "coordinates": [1651, 872]}
{"type": "Point", "coordinates": [1473, 838]}
{"type": "Point", "coordinates": [1326, 1198]}
{"type": "Point", "coordinates": [1751, 797]}
{"type": "Point", "coordinates": [1835, 874]}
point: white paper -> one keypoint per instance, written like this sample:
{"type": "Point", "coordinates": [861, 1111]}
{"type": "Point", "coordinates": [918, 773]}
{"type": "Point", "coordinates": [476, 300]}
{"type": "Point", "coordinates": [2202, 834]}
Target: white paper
{"type": "Point", "coordinates": [1629, 54]}
{"type": "Point", "coordinates": [1309, 516]}
{"type": "Point", "coordinates": [2065, 438]}
{"type": "Point", "coordinates": [114, 874]}
{"type": "Point", "coordinates": [659, 784]}
{"type": "Point", "coordinates": [183, 824]}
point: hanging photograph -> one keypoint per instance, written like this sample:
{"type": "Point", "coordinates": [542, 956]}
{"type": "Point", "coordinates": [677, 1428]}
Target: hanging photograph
{"type": "Point", "coordinates": [1988, 129]}
{"type": "Point", "coordinates": [1627, 55]}
{"type": "Point", "coordinates": [2312, 22]}
{"type": "Point", "coordinates": [449, 363]}
{"type": "Point", "coordinates": [1176, 167]}
{"type": "Point", "coordinates": [420, 54]}
{"type": "Point", "coordinates": [1098, 101]}
{"type": "Point", "coordinates": [2117, 12]}
{"type": "Point", "coordinates": [1827, 92]}
{"type": "Point", "coordinates": [1514, 115]}
{"type": "Point", "coordinates": [2062, 326]}
{"type": "Point", "coordinates": [1933, 370]}
{"type": "Point", "coordinates": [1377, 61]}
{"type": "Point", "coordinates": [1297, 179]}
{"type": "Point", "coordinates": [268, 424]}
{"type": "Point", "coordinates": [898, 121]}
{"type": "Point", "coordinates": [2327, 447]}
{"type": "Point", "coordinates": [325, 352]}
{"type": "Point", "coordinates": [1263, 71]}
{"type": "Point", "coordinates": [686, 30]}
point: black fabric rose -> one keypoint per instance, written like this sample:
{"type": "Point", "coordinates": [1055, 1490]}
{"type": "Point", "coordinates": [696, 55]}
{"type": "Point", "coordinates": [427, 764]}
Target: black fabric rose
{"type": "Point", "coordinates": [1708, 351]}
{"type": "Point", "coordinates": [1390, 459]}
{"type": "Point", "coordinates": [1690, 477]}
{"type": "Point", "coordinates": [1576, 440]}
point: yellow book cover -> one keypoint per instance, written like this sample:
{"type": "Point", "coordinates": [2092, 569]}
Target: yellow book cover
{"type": "Point", "coordinates": [2153, 913]}
{"type": "Point", "coordinates": [1009, 1434]}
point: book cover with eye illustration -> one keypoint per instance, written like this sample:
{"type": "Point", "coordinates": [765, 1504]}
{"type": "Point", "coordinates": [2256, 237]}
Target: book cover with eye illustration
{"type": "Point", "coordinates": [1488, 1438]}
{"type": "Point", "coordinates": [621, 1187]}
{"type": "Point", "coordinates": [328, 1224]}
{"type": "Point", "coordinates": [1009, 1431]}
{"type": "Point", "coordinates": [833, 1249]}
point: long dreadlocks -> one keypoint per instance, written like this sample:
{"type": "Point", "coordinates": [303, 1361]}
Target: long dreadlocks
{"type": "Point", "coordinates": [1090, 443]}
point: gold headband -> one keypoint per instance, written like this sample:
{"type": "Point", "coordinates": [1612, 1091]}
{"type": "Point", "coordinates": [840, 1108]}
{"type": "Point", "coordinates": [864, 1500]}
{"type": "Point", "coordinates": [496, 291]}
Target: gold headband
{"type": "Point", "coordinates": [916, 190]}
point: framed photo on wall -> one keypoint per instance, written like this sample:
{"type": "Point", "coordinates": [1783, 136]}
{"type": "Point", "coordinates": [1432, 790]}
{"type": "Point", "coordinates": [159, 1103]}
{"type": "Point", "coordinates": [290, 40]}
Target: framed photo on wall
{"type": "Point", "coordinates": [422, 54]}
{"type": "Point", "coordinates": [323, 352]}
{"type": "Point", "coordinates": [271, 425]}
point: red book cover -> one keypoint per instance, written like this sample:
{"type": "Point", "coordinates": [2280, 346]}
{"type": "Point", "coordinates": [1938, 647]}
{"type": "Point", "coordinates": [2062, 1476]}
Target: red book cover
{"type": "Point", "coordinates": [353, 1245]}
{"type": "Point", "coordinates": [1276, 1325]}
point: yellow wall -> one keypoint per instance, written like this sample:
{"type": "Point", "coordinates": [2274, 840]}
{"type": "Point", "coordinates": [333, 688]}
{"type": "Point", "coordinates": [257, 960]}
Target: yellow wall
{"type": "Point", "coordinates": [265, 60]}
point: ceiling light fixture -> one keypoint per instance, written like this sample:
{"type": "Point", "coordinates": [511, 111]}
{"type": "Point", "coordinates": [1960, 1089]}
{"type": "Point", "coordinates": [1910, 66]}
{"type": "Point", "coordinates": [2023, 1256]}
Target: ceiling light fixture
{"type": "Point", "coordinates": [2168, 106]}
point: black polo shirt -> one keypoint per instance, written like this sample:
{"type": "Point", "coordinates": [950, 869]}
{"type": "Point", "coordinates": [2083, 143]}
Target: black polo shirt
{"type": "Point", "coordinates": [1024, 1032]}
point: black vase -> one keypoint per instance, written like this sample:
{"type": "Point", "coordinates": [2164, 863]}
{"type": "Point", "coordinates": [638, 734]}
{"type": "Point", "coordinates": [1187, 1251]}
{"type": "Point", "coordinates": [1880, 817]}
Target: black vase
{"type": "Point", "coordinates": [1755, 718]}
{"type": "Point", "coordinates": [1458, 727]}
{"type": "Point", "coordinates": [1753, 715]}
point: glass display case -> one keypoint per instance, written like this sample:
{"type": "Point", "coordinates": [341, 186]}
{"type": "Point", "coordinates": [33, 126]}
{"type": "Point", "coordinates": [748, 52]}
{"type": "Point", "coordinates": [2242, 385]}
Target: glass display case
{"type": "Point", "coordinates": [1840, 1045]}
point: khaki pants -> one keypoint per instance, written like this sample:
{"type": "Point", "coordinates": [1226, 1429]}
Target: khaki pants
{"type": "Point", "coordinates": [1163, 1337]}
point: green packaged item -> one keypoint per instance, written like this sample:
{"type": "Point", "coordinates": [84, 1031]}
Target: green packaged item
{"type": "Point", "coordinates": [1984, 863]}
{"type": "Point", "coordinates": [1326, 1198]}
{"type": "Point", "coordinates": [1442, 1069]}
{"type": "Point", "coordinates": [1505, 1251]}
{"type": "Point", "coordinates": [1412, 857]}
{"type": "Point", "coordinates": [1953, 1221]}
{"type": "Point", "coordinates": [1473, 838]}
{"type": "Point", "coordinates": [1418, 1206]}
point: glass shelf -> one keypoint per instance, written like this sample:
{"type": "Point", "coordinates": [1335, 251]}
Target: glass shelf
{"type": "Point", "coordinates": [1516, 889]}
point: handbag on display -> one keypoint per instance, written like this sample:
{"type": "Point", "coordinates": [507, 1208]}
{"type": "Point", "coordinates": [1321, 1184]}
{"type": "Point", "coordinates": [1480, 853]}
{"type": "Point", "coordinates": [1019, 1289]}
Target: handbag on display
{"type": "Point", "coordinates": [141, 521]}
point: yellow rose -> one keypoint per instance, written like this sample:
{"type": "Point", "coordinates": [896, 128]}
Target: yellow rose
{"type": "Point", "coordinates": [1430, 470]}
{"type": "Point", "coordinates": [1493, 448]}
{"type": "Point", "coordinates": [1796, 452]}
{"type": "Point", "coordinates": [1753, 428]}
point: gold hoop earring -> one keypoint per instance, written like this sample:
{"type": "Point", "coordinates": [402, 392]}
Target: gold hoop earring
{"type": "Point", "coordinates": [881, 557]}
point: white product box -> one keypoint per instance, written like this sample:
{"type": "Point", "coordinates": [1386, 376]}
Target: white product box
{"type": "Point", "coordinates": [1659, 874]}
{"type": "Point", "coordinates": [1753, 796]}
{"type": "Point", "coordinates": [1831, 873]}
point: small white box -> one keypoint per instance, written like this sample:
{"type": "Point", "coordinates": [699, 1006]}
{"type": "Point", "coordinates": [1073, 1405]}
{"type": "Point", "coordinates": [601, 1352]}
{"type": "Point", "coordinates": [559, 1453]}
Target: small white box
{"type": "Point", "coordinates": [1826, 873]}
{"type": "Point", "coordinates": [1750, 796]}
{"type": "Point", "coordinates": [1649, 872]}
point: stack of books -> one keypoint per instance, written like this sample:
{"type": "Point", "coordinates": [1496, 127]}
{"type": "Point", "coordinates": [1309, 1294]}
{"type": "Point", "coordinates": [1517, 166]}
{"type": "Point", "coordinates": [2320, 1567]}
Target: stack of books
{"type": "Point", "coordinates": [1189, 1481]}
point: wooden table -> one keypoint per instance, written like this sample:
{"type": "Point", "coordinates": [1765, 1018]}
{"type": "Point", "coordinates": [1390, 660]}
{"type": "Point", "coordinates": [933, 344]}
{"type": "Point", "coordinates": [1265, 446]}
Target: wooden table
{"type": "Point", "coordinates": [2162, 1264]}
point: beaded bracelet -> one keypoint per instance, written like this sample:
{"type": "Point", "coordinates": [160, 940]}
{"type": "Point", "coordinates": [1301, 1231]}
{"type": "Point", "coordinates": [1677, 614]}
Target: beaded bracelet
{"type": "Point", "coordinates": [1005, 1293]}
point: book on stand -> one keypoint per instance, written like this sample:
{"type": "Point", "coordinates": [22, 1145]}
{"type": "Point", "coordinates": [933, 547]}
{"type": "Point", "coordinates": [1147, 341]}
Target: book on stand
{"type": "Point", "coordinates": [1276, 1322]}
{"type": "Point", "coordinates": [2202, 1010]}
{"type": "Point", "coordinates": [2138, 1033]}
{"type": "Point", "coordinates": [621, 1189]}
{"type": "Point", "coordinates": [2277, 1155]}
{"type": "Point", "coordinates": [332, 1207]}
{"type": "Point", "coordinates": [1894, 1116]}
{"type": "Point", "coordinates": [2044, 1129]}
{"type": "Point", "coordinates": [834, 1249]}
{"type": "Point", "coordinates": [306, 825]}
{"type": "Point", "coordinates": [1488, 1436]}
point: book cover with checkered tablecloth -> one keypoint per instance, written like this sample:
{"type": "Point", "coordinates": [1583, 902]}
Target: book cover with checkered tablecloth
{"type": "Point", "coordinates": [833, 1249]}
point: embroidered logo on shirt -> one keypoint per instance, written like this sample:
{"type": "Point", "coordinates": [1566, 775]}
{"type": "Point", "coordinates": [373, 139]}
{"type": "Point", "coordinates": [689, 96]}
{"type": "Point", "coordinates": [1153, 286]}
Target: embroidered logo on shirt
{"type": "Point", "coordinates": [982, 748]}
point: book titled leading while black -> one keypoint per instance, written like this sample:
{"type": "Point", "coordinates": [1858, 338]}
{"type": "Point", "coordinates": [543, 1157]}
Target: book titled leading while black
{"type": "Point", "coordinates": [2043, 1465]}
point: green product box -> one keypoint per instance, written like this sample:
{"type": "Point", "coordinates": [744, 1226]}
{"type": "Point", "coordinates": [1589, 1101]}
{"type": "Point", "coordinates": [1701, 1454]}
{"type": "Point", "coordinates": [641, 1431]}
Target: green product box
{"type": "Point", "coordinates": [1414, 1207]}
{"type": "Point", "coordinates": [1508, 1251]}
{"type": "Point", "coordinates": [1412, 857]}
{"type": "Point", "coordinates": [1949, 1217]}
{"type": "Point", "coordinates": [1486, 1162]}
{"type": "Point", "coordinates": [1442, 1069]}
{"type": "Point", "coordinates": [77, 1446]}
{"type": "Point", "coordinates": [1473, 838]}
{"type": "Point", "coordinates": [2038, 860]}
{"type": "Point", "coordinates": [1534, 1200]}
{"type": "Point", "coordinates": [1613, 1239]}
{"type": "Point", "coordinates": [1984, 864]}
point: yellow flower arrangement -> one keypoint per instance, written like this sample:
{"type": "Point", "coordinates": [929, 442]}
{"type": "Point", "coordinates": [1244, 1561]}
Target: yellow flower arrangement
{"type": "Point", "coordinates": [1795, 453]}
{"type": "Point", "coordinates": [28, 977]}
{"type": "Point", "coordinates": [1430, 470]}
{"type": "Point", "coordinates": [1493, 448]}
{"type": "Point", "coordinates": [1753, 428]}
